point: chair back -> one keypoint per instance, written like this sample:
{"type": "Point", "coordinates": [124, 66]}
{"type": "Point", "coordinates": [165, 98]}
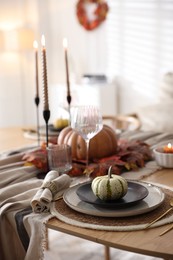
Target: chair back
{"type": "Point", "coordinates": [123, 122]}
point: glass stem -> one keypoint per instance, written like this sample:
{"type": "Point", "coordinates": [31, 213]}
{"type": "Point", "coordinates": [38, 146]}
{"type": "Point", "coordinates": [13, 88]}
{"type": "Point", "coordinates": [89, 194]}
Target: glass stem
{"type": "Point", "coordinates": [87, 152]}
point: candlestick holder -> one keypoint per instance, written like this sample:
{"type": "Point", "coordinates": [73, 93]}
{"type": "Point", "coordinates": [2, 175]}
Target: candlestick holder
{"type": "Point", "coordinates": [46, 116]}
{"type": "Point", "coordinates": [37, 101]}
{"type": "Point", "coordinates": [69, 103]}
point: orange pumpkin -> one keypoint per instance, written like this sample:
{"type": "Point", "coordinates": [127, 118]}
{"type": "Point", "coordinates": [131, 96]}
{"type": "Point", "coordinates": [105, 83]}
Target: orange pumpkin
{"type": "Point", "coordinates": [101, 145]}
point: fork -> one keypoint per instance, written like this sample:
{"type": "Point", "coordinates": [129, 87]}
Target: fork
{"type": "Point", "coordinates": [166, 230]}
{"type": "Point", "coordinates": [161, 216]}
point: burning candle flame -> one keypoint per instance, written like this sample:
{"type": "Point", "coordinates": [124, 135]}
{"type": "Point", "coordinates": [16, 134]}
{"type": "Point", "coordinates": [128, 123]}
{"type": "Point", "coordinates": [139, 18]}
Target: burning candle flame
{"type": "Point", "coordinates": [35, 45]}
{"type": "Point", "coordinates": [43, 40]}
{"type": "Point", "coordinates": [168, 148]}
{"type": "Point", "coordinates": [65, 43]}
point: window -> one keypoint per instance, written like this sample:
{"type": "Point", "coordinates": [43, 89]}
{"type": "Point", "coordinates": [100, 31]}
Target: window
{"type": "Point", "coordinates": [140, 42]}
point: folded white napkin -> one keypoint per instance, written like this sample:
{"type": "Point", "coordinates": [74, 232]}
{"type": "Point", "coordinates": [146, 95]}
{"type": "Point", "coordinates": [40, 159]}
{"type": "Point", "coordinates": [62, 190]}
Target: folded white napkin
{"type": "Point", "coordinates": [52, 188]}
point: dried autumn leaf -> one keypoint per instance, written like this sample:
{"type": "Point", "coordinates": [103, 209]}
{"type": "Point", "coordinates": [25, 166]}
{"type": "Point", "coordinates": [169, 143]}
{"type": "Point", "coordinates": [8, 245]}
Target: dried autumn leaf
{"type": "Point", "coordinates": [101, 169]}
{"type": "Point", "coordinates": [114, 159]}
{"type": "Point", "coordinates": [129, 156]}
{"type": "Point", "coordinates": [77, 170]}
{"type": "Point", "coordinates": [37, 158]}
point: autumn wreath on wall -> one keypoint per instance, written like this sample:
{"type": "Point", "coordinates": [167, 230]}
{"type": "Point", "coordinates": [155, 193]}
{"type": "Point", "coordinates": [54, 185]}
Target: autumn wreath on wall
{"type": "Point", "coordinates": [99, 13]}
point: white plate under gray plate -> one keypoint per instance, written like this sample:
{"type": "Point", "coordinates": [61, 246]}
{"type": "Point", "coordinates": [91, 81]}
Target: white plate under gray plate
{"type": "Point", "coordinates": [152, 201]}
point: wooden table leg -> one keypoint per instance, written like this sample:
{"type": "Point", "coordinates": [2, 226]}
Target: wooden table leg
{"type": "Point", "coordinates": [107, 253]}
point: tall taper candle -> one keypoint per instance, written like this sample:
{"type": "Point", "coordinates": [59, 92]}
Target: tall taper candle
{"type": "Point", "coordinates": [45, 87]}
{"type": "Point", "coordinates": [35, 44]}
{"type": "Point", "coordinates": [37, 98]}
{"type": "Point", "coordinates": [46, 111]}
{"type": "Point", "coordinates": [65, 45]}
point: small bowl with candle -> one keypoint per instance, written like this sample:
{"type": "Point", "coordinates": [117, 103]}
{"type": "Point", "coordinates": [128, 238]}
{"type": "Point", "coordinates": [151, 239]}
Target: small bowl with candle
{"type": "Point", "coordinates": [164, 155]}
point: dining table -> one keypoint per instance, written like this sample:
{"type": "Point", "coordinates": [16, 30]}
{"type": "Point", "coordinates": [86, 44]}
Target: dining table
{"type": "Point", "coordinates": [146, 241]}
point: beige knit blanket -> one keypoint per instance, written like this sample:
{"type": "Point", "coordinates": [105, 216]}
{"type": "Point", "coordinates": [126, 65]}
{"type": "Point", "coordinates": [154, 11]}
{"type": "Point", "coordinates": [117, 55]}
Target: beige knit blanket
{"type": "Point", "coordinates": [21, 231]}
{"type": "Point", "coordinates": [22, 194]}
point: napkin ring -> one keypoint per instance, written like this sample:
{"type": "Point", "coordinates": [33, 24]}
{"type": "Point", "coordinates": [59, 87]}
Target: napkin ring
{"type": "Point", "coordinates": [51, 186]}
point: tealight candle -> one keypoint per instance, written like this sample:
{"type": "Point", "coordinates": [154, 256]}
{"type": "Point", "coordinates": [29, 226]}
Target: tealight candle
{"type": "Point", "coordinates": [168, 148]}
{"type": "Point", "coordinates": [164, 156]}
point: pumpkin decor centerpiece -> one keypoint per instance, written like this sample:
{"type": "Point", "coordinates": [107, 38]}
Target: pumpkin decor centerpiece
{"type": "Point", "coordinates": [109, 187]}
{"type": "Point", "coordinates": [101, 145]}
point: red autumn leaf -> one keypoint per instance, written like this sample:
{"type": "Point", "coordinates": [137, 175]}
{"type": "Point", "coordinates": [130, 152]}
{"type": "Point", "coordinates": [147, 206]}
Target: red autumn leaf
{"type": "Point", "coordinates": [77, 170]}
{"type": "Point", "coordinates": [37, 158]}
{"type": "Point", "coordinates": [114, 159]}
{"type": "Point", "coordinates": [101, 169]}
{"type": "Point", "coordinates": [129, 156]}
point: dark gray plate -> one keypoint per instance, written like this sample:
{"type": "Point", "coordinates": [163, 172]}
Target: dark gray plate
{"type": "Point", "coordinates": [136, 192]}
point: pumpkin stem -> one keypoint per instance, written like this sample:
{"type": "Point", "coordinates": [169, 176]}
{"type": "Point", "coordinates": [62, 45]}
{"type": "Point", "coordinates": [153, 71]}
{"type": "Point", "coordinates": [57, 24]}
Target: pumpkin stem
{"type": "Point", "coordinates": [109, 172]}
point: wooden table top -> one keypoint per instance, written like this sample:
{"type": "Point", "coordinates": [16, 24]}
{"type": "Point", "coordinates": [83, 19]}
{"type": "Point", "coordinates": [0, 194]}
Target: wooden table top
{"type": "Point", "coordinates": [13, 138]}
{"type": "Point", "coordinates": [146, 242]}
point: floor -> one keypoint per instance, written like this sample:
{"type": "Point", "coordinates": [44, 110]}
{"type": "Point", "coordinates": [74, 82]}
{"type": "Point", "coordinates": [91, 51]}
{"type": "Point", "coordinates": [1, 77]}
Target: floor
{"type": "Point", "coordinates": [65, 247]}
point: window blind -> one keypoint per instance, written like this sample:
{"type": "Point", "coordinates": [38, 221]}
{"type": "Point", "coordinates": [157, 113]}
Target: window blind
{"type": "Point", "coordinates": [140, 42]}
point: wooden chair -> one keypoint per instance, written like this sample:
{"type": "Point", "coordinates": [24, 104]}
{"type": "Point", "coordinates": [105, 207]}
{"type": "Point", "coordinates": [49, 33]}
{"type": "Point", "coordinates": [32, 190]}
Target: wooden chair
{"type": "Point", "coordinates": [123, 122]}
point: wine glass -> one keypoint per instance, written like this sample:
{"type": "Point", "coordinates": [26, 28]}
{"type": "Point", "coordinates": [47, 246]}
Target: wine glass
{"type": "Point", "coordinates": [87, 121]}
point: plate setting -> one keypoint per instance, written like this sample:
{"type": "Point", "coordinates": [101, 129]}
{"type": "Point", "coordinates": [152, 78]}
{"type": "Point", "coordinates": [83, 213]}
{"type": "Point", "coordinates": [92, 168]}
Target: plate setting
{"type": "Point", "coordinates": [153, 200]}
{"type": "Point", "coordinates": [135, 193]}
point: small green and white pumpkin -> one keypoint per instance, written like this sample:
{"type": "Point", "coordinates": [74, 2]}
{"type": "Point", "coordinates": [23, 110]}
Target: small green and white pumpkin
{"type": "Point", "coordinates": [109, 187]}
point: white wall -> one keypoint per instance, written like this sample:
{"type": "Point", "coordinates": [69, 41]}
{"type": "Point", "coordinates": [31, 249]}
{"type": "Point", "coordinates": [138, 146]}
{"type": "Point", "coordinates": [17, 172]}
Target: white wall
{"type": "Point", "coordinates": [87, 52]}
{"type": "Point", "coordinates": [102, 95]}
{"type": "Point", "coordinates": [56, 20]}
{"type": "Point", "coordinates": [16, 65]}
